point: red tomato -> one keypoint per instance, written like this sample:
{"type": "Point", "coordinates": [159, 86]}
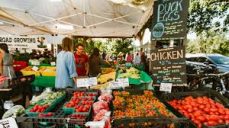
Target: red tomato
{"type": "Point", "coordinates": [211, 123]}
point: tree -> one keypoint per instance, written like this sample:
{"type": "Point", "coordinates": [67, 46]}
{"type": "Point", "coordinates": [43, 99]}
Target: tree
{"type": "Point", "coordinates": [203, 12]}
{"type": "Point", "coordinates": [214, 43]}
{"type": "Point", "coordinates": [122, 45]}
{"type": "Point", "coordinates": [89, 44]}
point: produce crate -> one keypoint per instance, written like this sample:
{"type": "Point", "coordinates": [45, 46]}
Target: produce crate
{"type": "Point", "coordinates": [51, 72]}
{"type": "Point", "coordinates": [59, 120]}
{"type": "Point", "coordinates": [209, 93]}
{"type": "Point", "coordinates": [72, 110]}
{"type": "Point", "coordinates": [68, 110]}
{"type": "Point", "coordinates": [50, 108]}
{"type": "Point", "coordinates": [27, 73]}
{"type": "Point", "coordinates": [156, 121]}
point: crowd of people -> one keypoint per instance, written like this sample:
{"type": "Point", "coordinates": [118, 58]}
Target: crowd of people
{"type": "Point", "coordinates": [71, 65]}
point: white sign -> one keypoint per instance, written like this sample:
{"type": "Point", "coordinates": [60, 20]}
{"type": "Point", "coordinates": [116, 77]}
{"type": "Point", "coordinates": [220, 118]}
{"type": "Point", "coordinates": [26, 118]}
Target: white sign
{"type": "Point", "coordinates": [53, 63]}
{"type": "Point", "coordinates": [82, 83]}
{"type": "Point", "coordinates": [8, 123]}
{"type": "Point", "coordinates": [114, 85]}
{"type": "Point", "coordinates": [123, 82]}
{"type": "Point", "coordinates": [166, 87]}
{"type": "Point", "coordinates": [92, 81]}
{"type": "Point", "coordinates": [35, 68]}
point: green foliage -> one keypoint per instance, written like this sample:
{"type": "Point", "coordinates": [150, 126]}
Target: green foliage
{"type": "Point", "coordinates": [89, 44]}
{"type": "Point", "coordinates": [214, 43]}
{"type": "Point", "coordinates": [122, 45]}
{"type": "Point", "coordinates": [203, 12]}
{"type": "Point", "coordinates": [109, 46]}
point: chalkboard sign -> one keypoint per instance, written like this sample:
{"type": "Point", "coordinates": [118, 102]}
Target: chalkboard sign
{"type": "Point", "coordinates": [168, 66]}
{"type": "Point", "coordinates": [169, 19]}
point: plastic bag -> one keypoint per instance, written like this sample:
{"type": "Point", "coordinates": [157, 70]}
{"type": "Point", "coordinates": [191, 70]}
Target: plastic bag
{"type": "Point", "coordinates": [105, 97]}
{"type": "Point", "coordinates": [14, 112]}
{"type": "Point", "coordinates": [100, 105]}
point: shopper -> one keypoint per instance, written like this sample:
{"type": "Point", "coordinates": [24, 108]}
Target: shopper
{"type": "Point", "coordinates": [7, 62]}
{"type": "Point", "coordinates": [144, 61]}
{"type": "Point", "coordinates": [81, 60]}
{"type": "Point", "coordinates": [65, 66]}
{"type": "Point", "coordinates": [95, 62]}
{"type": "Point", "coordinates": [137, 59]}
{"type": "Point", "coordinates": [104, 55]}
{"type": "Point", "coordinates": [129, 58]}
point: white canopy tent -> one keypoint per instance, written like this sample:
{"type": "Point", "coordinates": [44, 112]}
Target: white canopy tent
{"type": "Point", "coordinates": [91, 18]}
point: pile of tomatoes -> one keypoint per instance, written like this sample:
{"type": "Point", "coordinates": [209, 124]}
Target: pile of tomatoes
{"type": "Point", "coordinates": [81, 101]}
{"type": "Point", "coordinates": [39, 108]}
{"type": "Point", "coordinates": [202, 110]}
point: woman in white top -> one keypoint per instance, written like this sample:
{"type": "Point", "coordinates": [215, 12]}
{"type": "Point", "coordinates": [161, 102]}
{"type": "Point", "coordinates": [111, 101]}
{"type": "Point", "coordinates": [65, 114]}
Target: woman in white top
{"type": "Point", "coordinates": [137, 59]}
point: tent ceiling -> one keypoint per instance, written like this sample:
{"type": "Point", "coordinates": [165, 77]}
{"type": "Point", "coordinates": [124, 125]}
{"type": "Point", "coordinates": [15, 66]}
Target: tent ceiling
{"type": "Point", "coordinates": [93, 18]}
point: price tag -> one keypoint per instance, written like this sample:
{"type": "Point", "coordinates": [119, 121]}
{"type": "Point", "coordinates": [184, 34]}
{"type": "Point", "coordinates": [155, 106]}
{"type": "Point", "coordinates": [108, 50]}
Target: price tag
{"type": "Point", "coordinates": [92, 81]}
{"type": "Point", "coordinates": [114, 85]}
{"type": "Point", "coordinates": [82, 83]}
{"type": "Point", "coordinates": [35, 68]}
{"type": "Point", "coordinates": [8, 123]}
{"type": "Point", "coordinates": [53, 63]}
{"type": "Point", "coordinates": [95, 124]}
{"type": "Point", "coordinates": [166, 87]}
{"type": "Point", "coordinates": [124, 82]}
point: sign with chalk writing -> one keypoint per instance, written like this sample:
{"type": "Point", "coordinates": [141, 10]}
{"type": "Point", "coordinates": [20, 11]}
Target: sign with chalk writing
{"type": "Point", "coordinates": [168, 66]}
{"type": "Point", "coordinates": [169, 19]}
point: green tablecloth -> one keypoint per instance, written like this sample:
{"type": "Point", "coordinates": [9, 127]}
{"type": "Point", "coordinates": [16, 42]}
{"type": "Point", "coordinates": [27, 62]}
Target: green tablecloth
{"type": "Point", "coordinates": [44, 81]}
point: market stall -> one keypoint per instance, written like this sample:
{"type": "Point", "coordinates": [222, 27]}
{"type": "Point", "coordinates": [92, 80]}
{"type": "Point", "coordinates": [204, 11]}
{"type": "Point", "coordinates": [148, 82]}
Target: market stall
{"type": "Point", "coordinates": [122, 95]}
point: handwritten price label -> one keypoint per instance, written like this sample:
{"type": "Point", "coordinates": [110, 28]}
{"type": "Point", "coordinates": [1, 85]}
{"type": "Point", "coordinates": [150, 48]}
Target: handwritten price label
{"type": "Point", "coordinates": [82, 83]}
{"type": "Point", "coordinates": [124, 82]}
{"type": "Point", "coordinates": [166, 87]}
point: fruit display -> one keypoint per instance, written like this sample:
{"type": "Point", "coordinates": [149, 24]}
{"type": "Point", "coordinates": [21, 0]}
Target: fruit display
{"type": "Point", "coordinates": [47, 97]}
{"type": "Point", "coordinates": [100, 105]}
{"type": "Point", "coordinates": [48, 71]}
{"type": "Point", "coordinates": [106, 78]}
{"type": "Point", "coordinates": [107, 70]}
{"type": "Point", "coordinates": [29, 71]}
{"type": "Point", "coordinates": [203, 111]}
{"type": "Point", "coordinates": [45, 102]}
{"type": "Point", "coordinates": [144, 105]}
{"type": "Point", "coordinates": [39, 108]}
{"type": "Point", "coordinates": [43, 70]}
{"type": "Point", "coordinates": [101, 86]}
{"type": "Point", "coordinates": [80, 102]}
{"type": "Point", "coordinates": [129, 73]}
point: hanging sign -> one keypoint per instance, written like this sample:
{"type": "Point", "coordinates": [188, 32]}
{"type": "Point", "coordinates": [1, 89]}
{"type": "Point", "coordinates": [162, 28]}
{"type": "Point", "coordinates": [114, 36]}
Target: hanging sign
{"type": "Point", "coordinates": [169, 19]}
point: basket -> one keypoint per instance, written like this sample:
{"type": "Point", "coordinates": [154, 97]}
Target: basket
{"type": "Point", "coordinates": [158, 120]}
{"type": "Point", "coordinates": [209, 93]}
{"type": "Point", "coordinates": [27, 73]}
